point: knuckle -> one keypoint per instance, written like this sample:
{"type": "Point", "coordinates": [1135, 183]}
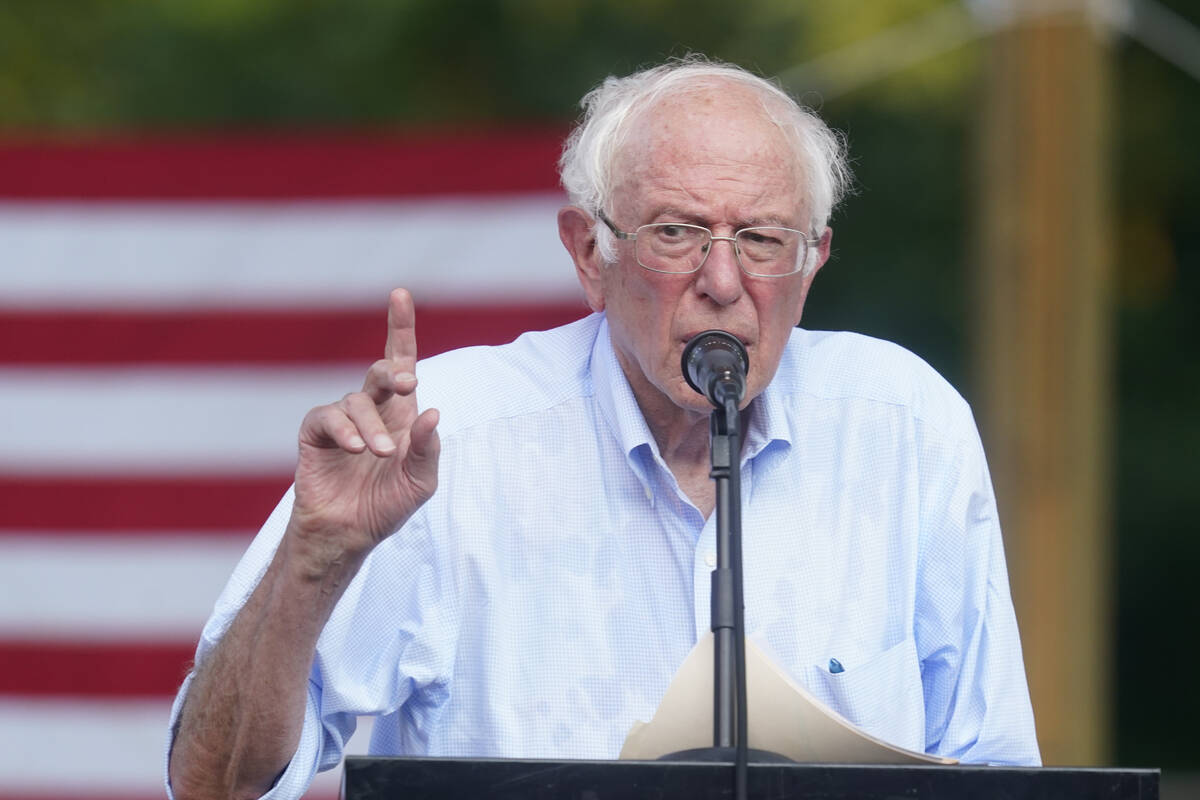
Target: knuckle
{"type": "Point", "coordinates": [354, 400]}
{"type": "Point", "coordinates": [379, 371]}
{"type": "Point", "coordinates": [319, 414]}
{"type": "Point", "coordinates": [378, 382]}
{"type": "Point", "coordinates": [327, 420]}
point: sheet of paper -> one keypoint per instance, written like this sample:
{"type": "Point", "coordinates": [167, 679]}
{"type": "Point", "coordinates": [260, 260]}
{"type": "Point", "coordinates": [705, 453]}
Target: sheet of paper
{"type": "Point", "coordinates": [784, 718]}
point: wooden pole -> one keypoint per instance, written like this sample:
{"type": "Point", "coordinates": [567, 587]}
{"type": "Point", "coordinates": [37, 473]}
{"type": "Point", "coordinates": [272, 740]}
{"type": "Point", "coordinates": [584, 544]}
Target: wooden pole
{"type": "Point", "coordinates": [1044, 352]}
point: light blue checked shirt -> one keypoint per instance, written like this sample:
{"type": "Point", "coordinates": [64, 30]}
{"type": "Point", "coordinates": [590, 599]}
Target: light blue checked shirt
{"type": "Point", "coordinates": [541, 602]}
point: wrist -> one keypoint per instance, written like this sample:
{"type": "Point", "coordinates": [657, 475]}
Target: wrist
{"type": "Point", "coordinates": [318, 553]}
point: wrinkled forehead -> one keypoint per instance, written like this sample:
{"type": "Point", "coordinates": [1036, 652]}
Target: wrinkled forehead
{"type": "Point", "coordinates": [713, 124]}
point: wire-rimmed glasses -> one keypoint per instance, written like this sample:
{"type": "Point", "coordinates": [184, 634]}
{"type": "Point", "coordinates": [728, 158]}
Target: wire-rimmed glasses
{"type": "Point", "coordinates": [677, 248]}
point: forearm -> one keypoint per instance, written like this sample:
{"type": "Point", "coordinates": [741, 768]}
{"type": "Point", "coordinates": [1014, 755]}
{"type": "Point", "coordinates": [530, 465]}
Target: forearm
{"type": "Point", "coordinates": [366, 464]}
{"type": "Point", "coordinates": [244, 712]}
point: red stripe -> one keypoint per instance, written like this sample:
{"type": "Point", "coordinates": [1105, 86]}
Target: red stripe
{"type": "Point", "coordinates": [138, 505]}
{"type": "Point", "coordinates": [282, 165]}
{"type": "Point", "coordinates": [93, 669]}
{"type": "Point", "coordinates": [256, 336]}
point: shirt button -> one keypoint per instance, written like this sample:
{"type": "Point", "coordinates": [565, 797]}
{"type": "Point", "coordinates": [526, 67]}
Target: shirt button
{"type": "Point", "coordinates": [710, 559]}
{"type": "Point", "coordinates": [649, 494]}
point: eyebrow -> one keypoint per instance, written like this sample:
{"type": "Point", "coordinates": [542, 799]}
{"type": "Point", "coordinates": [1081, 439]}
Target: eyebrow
{"type": "Point", "coordinates": [678, 214]}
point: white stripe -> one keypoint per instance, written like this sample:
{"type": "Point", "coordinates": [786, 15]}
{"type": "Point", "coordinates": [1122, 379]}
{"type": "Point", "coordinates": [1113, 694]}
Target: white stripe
{"type": "Point", "coordinates": [85, 746]}
{"type": "Point", "coordinates": [228, 420]}
{"type": "Point", "coordinates": [146, 588]}
{"type": "Point", "coordinates": [349, 254]}
{"type": "Point", "coordinates": [100, 747]}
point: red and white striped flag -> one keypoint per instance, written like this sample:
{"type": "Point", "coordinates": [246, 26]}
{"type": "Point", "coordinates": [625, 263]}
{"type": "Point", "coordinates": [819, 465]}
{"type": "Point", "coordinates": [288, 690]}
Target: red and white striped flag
{"type": "Point", "coordinates": [169, 309]}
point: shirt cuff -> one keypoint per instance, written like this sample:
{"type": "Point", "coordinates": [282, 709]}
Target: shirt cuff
{"type": "Point", "coordinates": [295, 780]}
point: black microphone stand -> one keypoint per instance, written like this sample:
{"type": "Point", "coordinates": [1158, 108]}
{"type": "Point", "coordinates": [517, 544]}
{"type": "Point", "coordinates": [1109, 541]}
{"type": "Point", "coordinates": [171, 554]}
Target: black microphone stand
{"type": "Point", "coordinates": [730, 726]}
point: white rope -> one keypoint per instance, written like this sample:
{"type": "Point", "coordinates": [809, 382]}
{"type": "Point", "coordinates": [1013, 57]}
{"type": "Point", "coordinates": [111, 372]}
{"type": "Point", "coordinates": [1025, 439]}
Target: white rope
{"type": "Point", "coordinates": [953, 25]}
{"type": "Point", "coordinates": [1169, 35]}
{"type": "Point", "coordinates": [869, 60]}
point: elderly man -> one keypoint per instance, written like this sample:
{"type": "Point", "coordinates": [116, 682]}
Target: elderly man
{"type": "Point", "coordinates": [540, 600]}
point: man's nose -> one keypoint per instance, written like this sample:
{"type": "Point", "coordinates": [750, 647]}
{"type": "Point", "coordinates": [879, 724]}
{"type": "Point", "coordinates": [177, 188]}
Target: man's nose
{"type": "Point", "coordinates": [720, 277]}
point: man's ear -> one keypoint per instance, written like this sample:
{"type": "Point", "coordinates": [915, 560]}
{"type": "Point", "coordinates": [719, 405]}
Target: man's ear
{"type": "Point", "coordinates": [575, 231]}
{"type": "Point", "coordinates": [823, 245]}
{"type": "Point", "coordinates": [819, 255]}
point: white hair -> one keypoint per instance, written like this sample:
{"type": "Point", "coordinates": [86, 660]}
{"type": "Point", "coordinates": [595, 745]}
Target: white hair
{"type": "Point", "coordinates": [591, 150]}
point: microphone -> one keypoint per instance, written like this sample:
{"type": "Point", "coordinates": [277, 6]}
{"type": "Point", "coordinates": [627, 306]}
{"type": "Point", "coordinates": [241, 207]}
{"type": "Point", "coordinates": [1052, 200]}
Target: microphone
{"type": "Point", "coordinates": [715, 364]}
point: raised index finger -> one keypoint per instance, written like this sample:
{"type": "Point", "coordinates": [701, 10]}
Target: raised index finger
{"type": "Point", "coordinates": [401, 347]}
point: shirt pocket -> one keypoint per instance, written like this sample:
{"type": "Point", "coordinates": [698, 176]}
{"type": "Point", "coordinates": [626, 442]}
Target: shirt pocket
{"type": "Point", "coordinates": [883, 695]}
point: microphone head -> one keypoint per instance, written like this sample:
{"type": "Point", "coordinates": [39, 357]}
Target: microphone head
{"type": "Point", "coordinates": [713, 356]}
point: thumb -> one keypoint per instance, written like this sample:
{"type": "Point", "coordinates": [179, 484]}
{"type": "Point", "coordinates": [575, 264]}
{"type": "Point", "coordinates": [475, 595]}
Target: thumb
{"type": "Point", "coordinates": [424, 447]}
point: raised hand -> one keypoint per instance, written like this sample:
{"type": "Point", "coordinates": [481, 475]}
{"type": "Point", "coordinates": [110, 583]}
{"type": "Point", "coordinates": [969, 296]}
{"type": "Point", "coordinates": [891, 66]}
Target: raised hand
{"type": "Point", "coordinates": [368, 461]}
{"type": "Point", "coordinates": [366, 464]}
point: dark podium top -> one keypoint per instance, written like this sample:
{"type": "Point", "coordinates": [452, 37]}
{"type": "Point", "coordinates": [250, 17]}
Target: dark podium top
{"type": "Point", "coordinates": [373, 778]}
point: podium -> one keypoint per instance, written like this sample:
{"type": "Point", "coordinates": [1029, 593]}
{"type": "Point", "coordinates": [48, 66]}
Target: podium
{"type": "Point", "coordinates": [401, 778]}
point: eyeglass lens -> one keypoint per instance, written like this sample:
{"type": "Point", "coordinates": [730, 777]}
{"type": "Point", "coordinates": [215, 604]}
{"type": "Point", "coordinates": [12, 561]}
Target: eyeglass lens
{"type": "Point", "coordinates": [672, 247]}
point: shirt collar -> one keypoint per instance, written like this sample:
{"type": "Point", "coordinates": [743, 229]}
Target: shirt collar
{"type": "Point", "coordinates": [768, 422]}
{"type": "Point", "coordinates": [614, 395]}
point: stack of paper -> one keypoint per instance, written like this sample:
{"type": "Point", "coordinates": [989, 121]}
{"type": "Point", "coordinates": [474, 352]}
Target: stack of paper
{"type": "Point", "coordinates": [783, 717]}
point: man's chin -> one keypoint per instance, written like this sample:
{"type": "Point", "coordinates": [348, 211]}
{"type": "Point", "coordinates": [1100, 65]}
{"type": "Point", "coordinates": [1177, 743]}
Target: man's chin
{"type": "Point", "coordinates": [689, 399]}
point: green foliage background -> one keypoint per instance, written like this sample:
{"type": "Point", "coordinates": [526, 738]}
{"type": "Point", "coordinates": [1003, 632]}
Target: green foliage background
{"type": "Point", "coordinates": [900, 271]}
